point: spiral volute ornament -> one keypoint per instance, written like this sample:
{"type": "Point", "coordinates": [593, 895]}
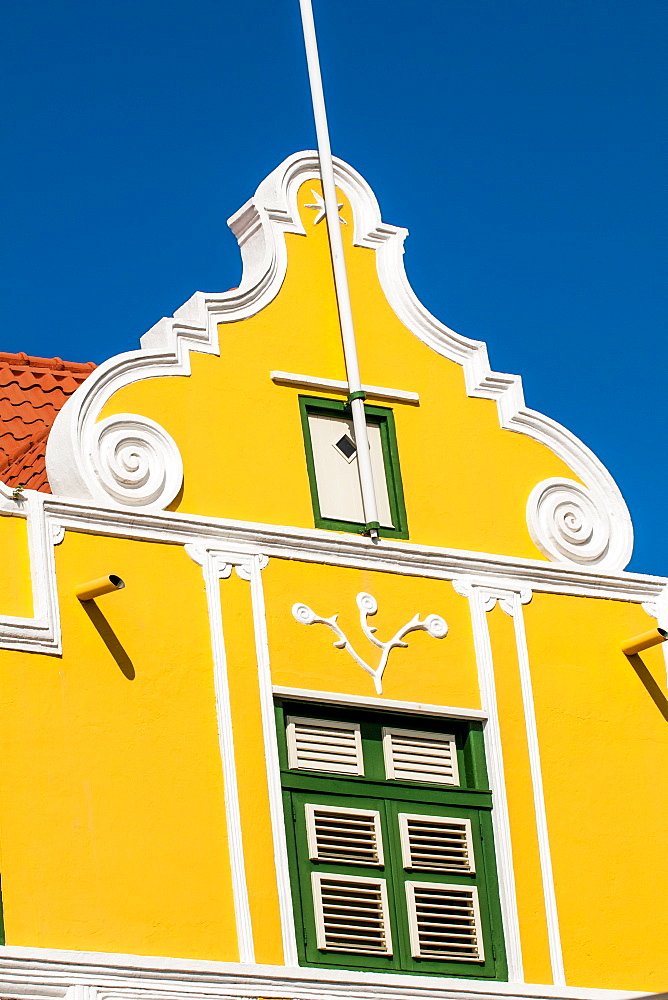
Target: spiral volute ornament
{"type": "Point", "coordinates": [567, 523]}
{"type": "Point", "coordinates": [367, 604]}
{"type": "Point", "coordinates": [436, 626]}
{"type": "Point", "coordinates": [136, 462]}
{"type": "Point", "coordinates": [303, 614]}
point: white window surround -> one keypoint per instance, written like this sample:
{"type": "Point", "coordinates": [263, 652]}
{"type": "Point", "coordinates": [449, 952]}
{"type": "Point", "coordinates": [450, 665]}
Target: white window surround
{"type": "Point", "coordinates": [380, 704]}
{"type": "Point", "coordinates": [313, 811]}
{"type": "Point", "coordinates": [335, 387]}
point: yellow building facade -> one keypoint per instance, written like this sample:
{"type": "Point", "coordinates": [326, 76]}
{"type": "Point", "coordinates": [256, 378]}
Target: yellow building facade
{"type": "Point", "coordinates": [289, 759]}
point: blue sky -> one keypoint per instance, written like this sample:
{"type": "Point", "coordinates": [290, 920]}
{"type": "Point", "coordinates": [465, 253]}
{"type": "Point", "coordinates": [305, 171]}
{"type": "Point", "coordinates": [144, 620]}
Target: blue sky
{"type": "Point", "coordinates": [518, 140]}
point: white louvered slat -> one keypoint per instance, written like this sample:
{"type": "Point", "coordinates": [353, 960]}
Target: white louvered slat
{"type": "Point", "coordinates": [444, 922]}
{"type": "Point", "coordinates": [349, 836]}
{"type": "Point", "coordinates": [351, 914]}
{"type": "Point", "coordinates": [319, 745]}
{"type": "Point", "coordinates": [436, 843]}
{"type": "Point", "coordinates": [415, 756]}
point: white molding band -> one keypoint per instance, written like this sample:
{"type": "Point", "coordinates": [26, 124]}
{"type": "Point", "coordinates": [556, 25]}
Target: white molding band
{"type": "Point", "coordinates": [255, 566]}
{"type": "Point", "coordinates": [332, 548]}
{"type": "Point", "coordinates": [514, 609]}
{"type": "Point", "coordinates": [335, 387]}
{"type": "Point", "coordinates": [37, 973]}
{"type": "Point", "coordinates": [216, 567]}
{"type": "Point", "coordinates": [48, 516]}
{"type": "Point", "coordinates": [39, 633]}
{"type": "Point", "coordinates": [381, 704]}
{"type": "Point", "coordinates": [260, 227]}
{"type": "Point", "coordinates": [482, 600]}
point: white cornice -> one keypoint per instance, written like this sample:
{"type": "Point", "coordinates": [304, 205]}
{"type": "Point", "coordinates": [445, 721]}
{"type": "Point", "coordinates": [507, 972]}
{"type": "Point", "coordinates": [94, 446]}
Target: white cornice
{"type": "Point", "coordinates": [237, 541]}
{"type": "Point", "coordinates": [75, 469]}
{"type": "Point", "coordinates": [331, 548]}
{"type": "Point", "coordinates": [45, 972]}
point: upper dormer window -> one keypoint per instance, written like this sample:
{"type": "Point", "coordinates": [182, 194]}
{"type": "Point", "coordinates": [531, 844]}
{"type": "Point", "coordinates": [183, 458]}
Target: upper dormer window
{"type": "Point", "coordinates": [331, 458]}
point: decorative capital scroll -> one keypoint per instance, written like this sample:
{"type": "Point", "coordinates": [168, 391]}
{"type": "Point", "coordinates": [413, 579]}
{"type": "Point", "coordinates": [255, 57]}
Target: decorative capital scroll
{"type": "Point", "coordinates": [505, 593]}
{"type": "Point", "coordinates": [433, 624]}
{"type": "Point", "coordinates": [222, 560]}
{"type": "Point", "coordinates": [57, 532]}
{"type": "Point", "coordinates": [243, 568]}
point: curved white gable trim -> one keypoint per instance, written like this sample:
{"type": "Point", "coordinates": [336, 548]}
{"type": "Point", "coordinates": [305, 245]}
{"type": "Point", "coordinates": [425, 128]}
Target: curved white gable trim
{"type": "Point", "coordinates": [260, 226]}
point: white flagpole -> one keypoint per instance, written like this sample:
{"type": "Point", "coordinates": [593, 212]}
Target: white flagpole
{"type": "Point", "coordinates": [355, 393]}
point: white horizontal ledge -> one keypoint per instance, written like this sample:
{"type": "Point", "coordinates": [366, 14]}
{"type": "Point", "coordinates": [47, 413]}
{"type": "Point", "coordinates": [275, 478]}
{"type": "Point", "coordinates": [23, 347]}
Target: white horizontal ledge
{"type": "Point", "coordinates": [384, 704]}
{"type": "Point", "coordinates": [48, 973]}
{"type": "Point", "coordinates": [332, 548]}
{"type": "Point", "coordinates": [334, 386]}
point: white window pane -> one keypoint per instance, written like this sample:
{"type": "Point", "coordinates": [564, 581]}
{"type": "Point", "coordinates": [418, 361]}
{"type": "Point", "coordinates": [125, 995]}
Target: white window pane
{"type": "Point", "coordinates": [336, 470]}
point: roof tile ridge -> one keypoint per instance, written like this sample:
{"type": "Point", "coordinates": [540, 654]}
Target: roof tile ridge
{"type": "Point", "coordinates": [23, 360]}
{"type": "Point", "coordinates": [47, 389]}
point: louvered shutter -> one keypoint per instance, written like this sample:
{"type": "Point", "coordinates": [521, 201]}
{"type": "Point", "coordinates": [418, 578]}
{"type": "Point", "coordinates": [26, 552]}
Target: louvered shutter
{"type": "Point", "coordinates": [347, 836]}
{"type": "Point", "coordinates": [318, 745]}
{"type": "Point", "coordinates": [436, 843]}
{"type": "Point", "coordinates": [415, 756]}
{"type": "Point", "coordinates": [444, 922]}
{"type": "Point", "coordinates": [351, 914]}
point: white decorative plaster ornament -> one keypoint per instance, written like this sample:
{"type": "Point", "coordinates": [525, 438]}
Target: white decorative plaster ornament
{"type": "Point", "coordinates": [319, 207]}
{"type": "Point", "coordinates": [433, 624]}
{"type": "Point", "coordinates": [135, 461]}
{"type": "Point", "coordinates": [568, 522]}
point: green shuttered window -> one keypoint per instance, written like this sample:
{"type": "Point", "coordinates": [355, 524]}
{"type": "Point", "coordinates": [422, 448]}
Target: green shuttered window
{"type": "Point", "coordinates": [331, 461]}
{"type": "Point", "coordinates": [390, 840]}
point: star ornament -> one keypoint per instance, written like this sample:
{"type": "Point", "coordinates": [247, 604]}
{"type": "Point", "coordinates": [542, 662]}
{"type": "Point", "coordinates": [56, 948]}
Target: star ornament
{"type": "Point", "coordinates": [319, 207]}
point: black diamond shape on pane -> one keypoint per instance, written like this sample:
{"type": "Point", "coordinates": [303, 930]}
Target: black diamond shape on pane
{"type": "Point", "coordinates": [346, 446]}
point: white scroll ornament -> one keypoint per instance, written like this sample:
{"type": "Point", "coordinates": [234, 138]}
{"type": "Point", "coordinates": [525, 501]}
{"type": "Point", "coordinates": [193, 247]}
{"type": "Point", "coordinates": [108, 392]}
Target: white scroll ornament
{"type": "Point", "coordinates": [566, 522]}
{"type": "Point", "coordinates": [135, 461]}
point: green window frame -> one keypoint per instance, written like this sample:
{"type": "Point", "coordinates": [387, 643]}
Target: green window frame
{"type": "Point", "coordinates": [374, 802]}
{"type": "Point", "coordinates": [384, 419]}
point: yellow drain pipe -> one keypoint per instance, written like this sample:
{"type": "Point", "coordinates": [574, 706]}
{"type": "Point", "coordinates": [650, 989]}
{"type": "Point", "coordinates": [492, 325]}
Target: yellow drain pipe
{"type": "Point", "coordinates": [96, 588]}
{"type": "Point", "coordinates": [644, 641]}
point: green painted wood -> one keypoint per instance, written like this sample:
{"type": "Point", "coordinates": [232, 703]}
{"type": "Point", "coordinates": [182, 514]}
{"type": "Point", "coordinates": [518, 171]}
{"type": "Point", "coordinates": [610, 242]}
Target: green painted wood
{"type": "Point", "coordinates": [390, 798]}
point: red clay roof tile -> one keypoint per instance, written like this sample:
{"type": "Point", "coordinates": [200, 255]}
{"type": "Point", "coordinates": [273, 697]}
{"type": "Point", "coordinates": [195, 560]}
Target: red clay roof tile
{"type": "Point", "coordinates": [32, 392]}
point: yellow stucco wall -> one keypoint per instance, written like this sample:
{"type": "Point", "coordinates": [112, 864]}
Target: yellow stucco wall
{"type": "Point", "coordinates": [604, 752]}
{"type": "Point", "coordinates": [15, 584]}
{"type": "Point", "coordinates": [112, 823]}
{"type": "Point", "coordinates": [112, 808]}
